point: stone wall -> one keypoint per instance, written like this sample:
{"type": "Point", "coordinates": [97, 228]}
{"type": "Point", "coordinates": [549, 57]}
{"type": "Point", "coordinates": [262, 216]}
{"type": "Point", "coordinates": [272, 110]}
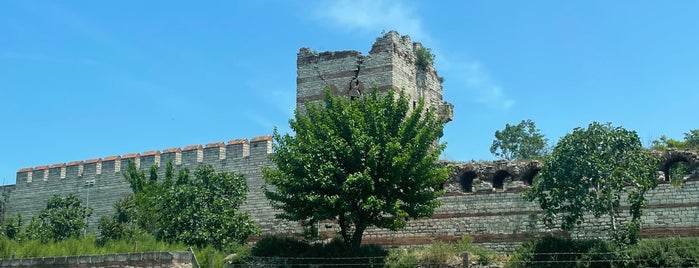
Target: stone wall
{"type": "Point", "coordinates": [100, 182]}
{"type": "Point", "coordinates": [172, 259]}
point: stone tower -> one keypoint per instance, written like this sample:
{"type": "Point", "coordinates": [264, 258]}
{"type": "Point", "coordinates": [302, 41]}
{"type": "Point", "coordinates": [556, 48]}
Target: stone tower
{"type": "Point", "coordinates": [391, 63]}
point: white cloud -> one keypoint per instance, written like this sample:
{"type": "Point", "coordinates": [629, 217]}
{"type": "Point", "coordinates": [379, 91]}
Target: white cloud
{"type": "Point", "coordinates": [372, 16]}
{"type": "Point", "coordinates": [475, 78]}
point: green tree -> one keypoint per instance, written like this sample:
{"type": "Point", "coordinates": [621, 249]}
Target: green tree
{"type": "Point", "coordinates": [691, 139]}
{"type": "Point", "coordinates": [64, 217]}
{"type": "Point", "coordinates": [364, 162]}
{"type": "Point", "coordinates": [122, 225]}
{"type": "Point", "coordinates": [588, 172]}
{"type": "Point", "coordinates": [519, 142]}
{"type": "Point", "coordinates": [203, 211]}
{"type": "Point", "coordinates": [199, 210]}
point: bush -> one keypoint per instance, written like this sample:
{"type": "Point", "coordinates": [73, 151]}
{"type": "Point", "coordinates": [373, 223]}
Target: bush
{"type": "Point", "coordinates": [275, 246]}
{"type": "Point", "coordinates": [564, 252]}
{"type": "Point", "coordinates": [440, 254]}
{"type": "Point", "coordinates": [401, 258]}
{"type": "Point", "coordinates": [666, 252]}
{"type": "Point", "coordinates": [291, 251]}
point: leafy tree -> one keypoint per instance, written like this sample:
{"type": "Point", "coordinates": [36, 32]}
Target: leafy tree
{"type": "Point", "coordinates": [203, 210]}
{"type": "Point", "coordinates": [519, 142]}
{"type": "Point", "coordinates": [588, 172]}
{"type": "Point", "coordinates": [63, 217]}
{"type": "Point", "coordinates": [691, 139]}
{"type": "Point", "coordinates": [122, 225]}
{"type": "Point", "coordinates": [364, 162]}
{"type": "Point", "coordinates": [199, 210]}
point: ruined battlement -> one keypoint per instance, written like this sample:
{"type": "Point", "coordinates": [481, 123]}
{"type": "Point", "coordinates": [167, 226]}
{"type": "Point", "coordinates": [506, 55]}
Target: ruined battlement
{"type": "Point", "coordinates": [391, 63]}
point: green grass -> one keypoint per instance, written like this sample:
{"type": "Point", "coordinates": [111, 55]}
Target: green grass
{"type": "Point", "coordinates": [86, 246]}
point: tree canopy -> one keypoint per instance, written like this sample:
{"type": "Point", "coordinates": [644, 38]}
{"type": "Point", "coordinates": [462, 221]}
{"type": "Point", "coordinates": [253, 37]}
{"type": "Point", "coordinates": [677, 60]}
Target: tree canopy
{"type": "Point", "coordinates": [64, 217]}
{"type": "Point", "coordinates": [365, 162]}
{"type": "Point", "coordinates": [199, 210]}
{"type": "Point", "coordinates": [691, 141]}
{"type": "Point", "coordinates": [519, 142]}
{"type": "Point", "coordinates": [588, 172]}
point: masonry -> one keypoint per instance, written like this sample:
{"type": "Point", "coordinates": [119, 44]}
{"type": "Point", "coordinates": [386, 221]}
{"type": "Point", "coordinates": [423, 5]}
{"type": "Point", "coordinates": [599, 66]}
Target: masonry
{"type": "Point", "coordinates": [170, 259]}
{"type": "Point", "coordinates": [483, 199]}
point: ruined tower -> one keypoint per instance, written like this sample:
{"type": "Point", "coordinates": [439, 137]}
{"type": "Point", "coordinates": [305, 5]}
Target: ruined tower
{"type": "Point", "coordinates": [391, 63]}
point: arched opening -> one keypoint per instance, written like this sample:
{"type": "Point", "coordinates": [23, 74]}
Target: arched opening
{"type": "Point", "coordinates": [466, 181]}
{"type": "Point", "coordinates": [676, 169]}
{"type": "Point", "coordinates": [529, 174]}
{"type": "Point", "coordinates": [499, 178]}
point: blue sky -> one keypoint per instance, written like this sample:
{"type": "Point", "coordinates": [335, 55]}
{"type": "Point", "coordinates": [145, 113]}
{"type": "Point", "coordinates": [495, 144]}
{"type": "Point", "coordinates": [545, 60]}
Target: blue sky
{"type": "Point", "coordinates": [88, 79]}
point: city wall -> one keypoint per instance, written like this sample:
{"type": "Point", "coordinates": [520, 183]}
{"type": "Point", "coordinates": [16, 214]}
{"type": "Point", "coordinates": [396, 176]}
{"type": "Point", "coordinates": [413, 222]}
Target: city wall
{"type": "Point", "coordinates": [100, 182]}
{"type": "Point", "coordinates": [482, 200]}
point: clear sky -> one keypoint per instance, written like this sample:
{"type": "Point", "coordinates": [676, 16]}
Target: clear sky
{"type": "Point", "coordinates": [88, 79]}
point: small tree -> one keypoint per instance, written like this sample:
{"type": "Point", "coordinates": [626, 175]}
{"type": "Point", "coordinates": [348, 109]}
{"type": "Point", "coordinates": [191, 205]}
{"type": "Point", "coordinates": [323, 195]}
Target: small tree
{"type": "Point", "coordinates": [364, 162]}
{"type": "Point", "coordinates": [199, 210]}
{"type": "Point", "coordinates": [63, 217]}
{"type": "Point", "coordinates": [588, 172]}
{"type": "Point", "coordinates": [519, 142]}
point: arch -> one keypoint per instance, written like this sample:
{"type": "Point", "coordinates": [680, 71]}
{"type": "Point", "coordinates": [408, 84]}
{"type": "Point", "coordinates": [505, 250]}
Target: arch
{"type": "Point", "coordinates": [529, 174]}
{"type": "Point", "coordinates": [499, 178]}
{"type": "Point", "coordinates": [466, 180]}
{"type": "Point", "coordinates": [671, 160]}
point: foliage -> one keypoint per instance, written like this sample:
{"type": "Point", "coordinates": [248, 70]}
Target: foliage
{"type": "Point", "coordinates": [63, 218]}
{"type": "Point", "coordinates": [298, 253]}
{"type": "Point", "coordinates": [564, 252]}
{"type": "Point", "coordinates": [424, 59]}
{"type": "Point", "coordinates": [203, 210]}
{"type": "Point", "coordinates": [519, 142]}
{"type": "Point", "coordinates": [691, 141]}
{"type": "Point", "coordinates": [121, 225]}
{"type": "Point", "coordinates": [365, 162]}
{"type": "Point", "coordinates": [10, 248]}
{"type": "Point", "coordinates": [13, 226]}
{"type": "Point", "coordinates": [439, 254]}
{"type": "Point", "coordinates": [588, 171]}
{"type": "Point", "coordinates": [666, 252]}
{"type": "Point", "coordinates": [199, 210]}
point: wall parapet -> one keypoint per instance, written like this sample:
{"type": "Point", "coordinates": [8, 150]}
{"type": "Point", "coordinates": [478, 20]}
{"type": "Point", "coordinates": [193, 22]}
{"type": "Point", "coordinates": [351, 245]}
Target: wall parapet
{"type": "Point", "coordinates": [179, 259]}
{"type": "Point", "coordinates": [191, 156]}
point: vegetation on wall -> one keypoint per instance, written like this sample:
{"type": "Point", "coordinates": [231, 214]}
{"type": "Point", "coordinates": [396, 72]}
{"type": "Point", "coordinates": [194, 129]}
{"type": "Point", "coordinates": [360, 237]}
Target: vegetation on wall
{"type": "Point", "coordinates": [519, 142]}
{"type": "Point", "coordinates": [365, 162]}
{"type": "Point", "coordinates": [424, 58]}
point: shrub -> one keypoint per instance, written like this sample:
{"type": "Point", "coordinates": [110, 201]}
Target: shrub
{"type": "Point", "coordinates": [564, 252]}
{"type": "Point", "coordinates": [424, 59]}
{"type": "Point", "coordinates": [276, 246]}
{"type": "Point", "coordinates": [666, 252]}
{"type": "Point", "coordinates": [291, 251]}
{"type": "Point", "coordinates": [401, 258]}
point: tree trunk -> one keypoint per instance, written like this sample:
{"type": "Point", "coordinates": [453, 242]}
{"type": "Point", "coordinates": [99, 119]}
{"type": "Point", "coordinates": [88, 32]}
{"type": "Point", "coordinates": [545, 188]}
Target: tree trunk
{"type": "Point", "coordinates": [343, 228]}
{"type": "Point", "coordinates": [357, 237]}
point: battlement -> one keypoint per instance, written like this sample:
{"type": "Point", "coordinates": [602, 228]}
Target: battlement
{"type": "Point", "coordinates": [188, 156]}
{"type": "Point", "coordinates": [391, 63]}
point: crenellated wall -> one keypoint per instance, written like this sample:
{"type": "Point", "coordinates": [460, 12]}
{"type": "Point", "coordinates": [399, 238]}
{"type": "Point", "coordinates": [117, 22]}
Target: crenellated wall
{"type": "Point", "coordinates": [100, 182]}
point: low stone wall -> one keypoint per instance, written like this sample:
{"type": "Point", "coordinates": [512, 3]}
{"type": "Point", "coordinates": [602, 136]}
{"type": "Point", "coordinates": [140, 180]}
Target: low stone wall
{"type": "Point", "coordinates": [171, 259]}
